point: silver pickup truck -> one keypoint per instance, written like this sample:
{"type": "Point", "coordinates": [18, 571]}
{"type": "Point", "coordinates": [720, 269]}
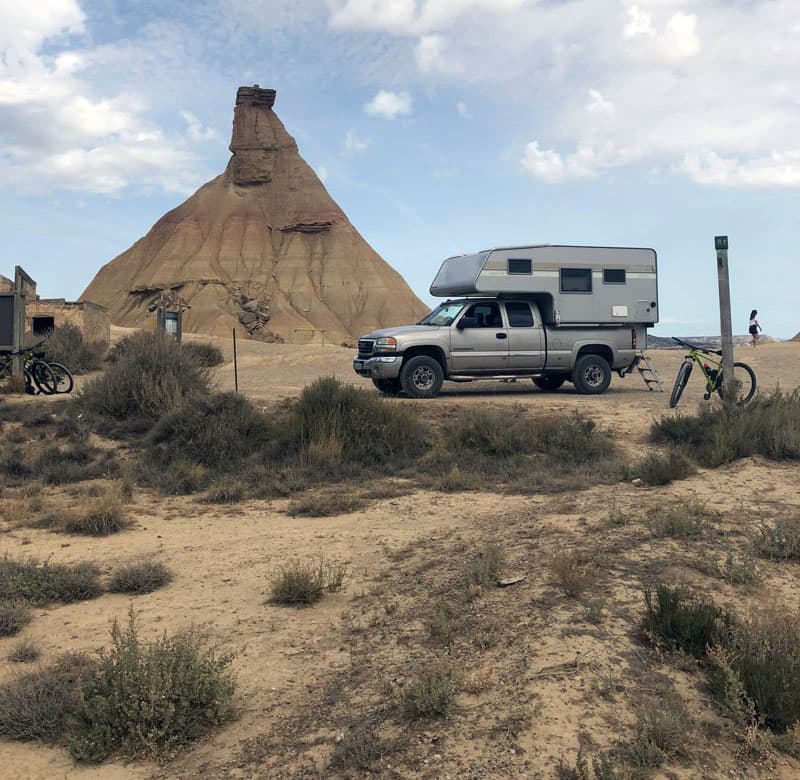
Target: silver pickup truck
{"type": "Point", "coordinates": [493, 338]}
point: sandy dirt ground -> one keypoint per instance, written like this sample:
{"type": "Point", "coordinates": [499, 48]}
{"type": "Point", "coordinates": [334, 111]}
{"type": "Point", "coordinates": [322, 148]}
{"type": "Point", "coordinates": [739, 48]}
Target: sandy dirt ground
{"type": "Point", "coordinates": [223, 557]}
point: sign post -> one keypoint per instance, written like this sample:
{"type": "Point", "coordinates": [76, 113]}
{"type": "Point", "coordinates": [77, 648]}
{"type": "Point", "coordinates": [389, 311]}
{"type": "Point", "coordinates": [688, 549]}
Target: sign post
{"type": "Point", "coordinates": [729, 383]}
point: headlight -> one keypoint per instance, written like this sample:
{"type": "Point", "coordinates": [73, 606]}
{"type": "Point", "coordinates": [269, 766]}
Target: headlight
{"type": "Point", "coordinates": [386, 344]}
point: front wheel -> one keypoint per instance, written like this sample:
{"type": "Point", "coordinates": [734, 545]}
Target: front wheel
{"type": "Point", "coordinates": [550, 382]}
{"type": "Point", "coordinates": [746, 383]}
{"type": "Point", "coordinates": [422, 377]}
{"type": "Point", "coordinates": [64, 380]}
{"type": "Point", "coordinates": [684, 372]}
{"type": "Point", "coordinates": [592, 375]}
{"type": "Point", "coordinates": [43, 376]}
{"type": "Point", "coordinates": [389, 387]}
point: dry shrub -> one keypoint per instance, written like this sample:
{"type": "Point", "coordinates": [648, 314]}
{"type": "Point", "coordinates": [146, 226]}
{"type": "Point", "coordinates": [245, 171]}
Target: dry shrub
{"type": "Point", "coordinates": [655, 469]}
{"type": "Point", "coordinates": [24, 651]}
{"type": "Point", "coordinates": [359, 750]}
{"type": "Point", "coordinates": [300, 583]}
{"type": "Point", "coordinates": [679, 519]}
{"type": "Point", "coordinates": [67, 346]}
{"type": "Point", "coordinates": [14, 616]}
{"type": "Point", "coordinates": [442, 622]}
{"type": "Point", "coordinates": [483, 568]}
{"type": "Point", "coordinates": [574, 572]}
{"type": "Point", "coordinates": [202, 353]}
{"type": "Point", "coordinates": [139, 576]}
{"type": "Point", "coordinates": [40, 704]}
{"type": "Point", "coordinates": [226, 491]}
{"type": "Point", "coordinates": [431, 690]}
{"type": "Point", "coordinates": [149, 377]}
{"type": "Point", "coordinates": [662, 731]}
{"type": "Point", "coordinates": [325, 504]}
{"type": "Point", "coordinates": [781, 540]}
{"type": "Point", "coordinates": [101, 517]}
{"type": "Point", "coordinates": [38, 584]}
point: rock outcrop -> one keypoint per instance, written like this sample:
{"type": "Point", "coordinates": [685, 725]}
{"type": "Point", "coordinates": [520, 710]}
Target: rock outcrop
{"type": "Point", "coordinates": [262, 247]}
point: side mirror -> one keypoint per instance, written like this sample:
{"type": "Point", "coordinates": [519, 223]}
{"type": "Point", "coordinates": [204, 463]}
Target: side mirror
{"type": "Point", "coordinates": [467, 322]}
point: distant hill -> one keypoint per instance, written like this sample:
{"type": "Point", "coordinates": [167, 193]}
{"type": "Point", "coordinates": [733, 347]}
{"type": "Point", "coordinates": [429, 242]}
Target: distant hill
{"type": "Point", "coordinates": [709, 342]}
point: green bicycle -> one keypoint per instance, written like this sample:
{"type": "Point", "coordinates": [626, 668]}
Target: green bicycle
{"type": "Point", "coordinates": [711, 368]}
{"type": "Point", "coordinates": [40, 377]}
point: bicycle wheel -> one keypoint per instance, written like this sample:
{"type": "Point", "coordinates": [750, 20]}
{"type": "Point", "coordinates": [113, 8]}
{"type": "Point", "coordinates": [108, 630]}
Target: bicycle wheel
{"type": "Point", "coordinates": [684, 372]}
{"type": "Point", "coordinates": [64, 380]}
{"type": "Point", "coordinates": [746, 383]}
{"type": "Point", "coordinates": [43, 376]}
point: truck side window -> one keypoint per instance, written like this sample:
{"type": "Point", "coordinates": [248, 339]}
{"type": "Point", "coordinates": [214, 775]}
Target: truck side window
{"type": "Point", "coordinates": [486, 315]}
{"type": "Point", "coordinates": [576, 280]}
{"type": "Point", "coordinates": [518, 265]}
{"type": "Point", "coordinates": [519, 314]}
{"type": "Point", "coordinates": [613, 276]}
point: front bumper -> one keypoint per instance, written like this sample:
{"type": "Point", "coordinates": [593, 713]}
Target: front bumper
{"type": "Point", "coordinates": [381, 367]}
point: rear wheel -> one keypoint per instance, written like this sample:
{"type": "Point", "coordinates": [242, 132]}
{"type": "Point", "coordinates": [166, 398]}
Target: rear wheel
{"type": "Point", "coordinates": [64, 380]}
{"type": "Point", "coordinates": [592, 375]}
{"type": "Point", "coordinates": [684, 372]}
{"type": "Point", "coordinates": [388, 386]}
{"type": "Point", "coordinates": [43, 376]}
{"type": "Point", "coordinates": [422, 377]}
{"type": "Point", "coordinates": [550, 382]}
{"type": "Point", "coordinates": [745, 381]}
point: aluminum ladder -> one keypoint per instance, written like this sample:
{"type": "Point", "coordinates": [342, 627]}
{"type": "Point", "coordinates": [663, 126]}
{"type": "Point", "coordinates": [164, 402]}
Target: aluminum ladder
{"type": "Point", "coordinates": [648, 374]}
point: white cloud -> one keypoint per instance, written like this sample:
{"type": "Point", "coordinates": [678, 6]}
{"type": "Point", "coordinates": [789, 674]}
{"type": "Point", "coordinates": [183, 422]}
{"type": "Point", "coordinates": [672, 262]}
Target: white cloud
{"type": "Point", "coordinates": [639, 23]}
{"type": "Point", "coordinates": [389, 105]}
{"type": "Point", "coordinates": [598, 104]}
{"type": "Point", "coordinates": [430, 54]}
{"type": "Point", "coordinates": [55, 133]}
{"type": "Point", "coordinates": [775, 170]}
{"type": "Point", "coordinates": [195, 129]}
{"type": "Point", "coordinates": [550, 166]}
{"type": "Point", "coordinates": [462, 109]}
{"type": "Point", "coordinates": [353, 144]}
{"type": "Point", "coordinates": [680, 36]}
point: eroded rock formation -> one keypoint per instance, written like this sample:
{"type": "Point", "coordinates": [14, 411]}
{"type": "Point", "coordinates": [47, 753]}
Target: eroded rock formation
{"type": "Point", "coordinates": [262, 247]}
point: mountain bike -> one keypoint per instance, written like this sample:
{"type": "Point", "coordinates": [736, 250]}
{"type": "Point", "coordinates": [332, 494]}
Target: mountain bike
{"type": "Point", "coordinates": [712, 370]}
{"type": "Point", "coordinates": [39, 376]}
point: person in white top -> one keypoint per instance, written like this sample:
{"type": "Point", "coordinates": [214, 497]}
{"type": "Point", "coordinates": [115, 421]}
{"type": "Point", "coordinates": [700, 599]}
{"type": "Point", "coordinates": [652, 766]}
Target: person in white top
{"type": "Point", "coordinates": [754, 328]}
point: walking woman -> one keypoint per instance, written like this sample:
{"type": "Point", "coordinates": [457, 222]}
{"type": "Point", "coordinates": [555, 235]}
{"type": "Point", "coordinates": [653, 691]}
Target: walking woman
{"type": "Point", "coordinates": [755, 326]}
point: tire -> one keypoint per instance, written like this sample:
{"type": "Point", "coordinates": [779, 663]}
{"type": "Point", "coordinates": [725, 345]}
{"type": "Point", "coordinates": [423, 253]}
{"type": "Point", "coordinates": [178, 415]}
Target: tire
{"type": "Point", "coordinates": [43, 376]}
{"type": "Point", "coordinates": [684, 372]}
{"type": "Point", "coordinates": [747, 383]}
{"type": "Point", "coordinates": [550, 383]}
{"type": "Point", "coordinates": [64, 380]}
{"type": "Point", "coordinates": [592, 375]}
{"type": "Point", "coordinates": [421, 377]}
{"type": "Point", "coordinates": [390, 387]}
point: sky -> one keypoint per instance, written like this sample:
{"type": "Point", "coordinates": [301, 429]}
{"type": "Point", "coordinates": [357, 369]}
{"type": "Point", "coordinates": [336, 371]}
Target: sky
{"type": "Point", "coordinates": [439, 126]}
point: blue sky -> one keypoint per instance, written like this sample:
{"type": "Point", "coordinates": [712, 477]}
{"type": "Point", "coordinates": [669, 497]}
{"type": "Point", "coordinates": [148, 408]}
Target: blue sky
{"type": "Point", "coordinates": [440, 126]}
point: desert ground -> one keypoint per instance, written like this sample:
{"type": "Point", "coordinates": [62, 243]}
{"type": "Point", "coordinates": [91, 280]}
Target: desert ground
{"type": "Point", "coordinates": [541, 679]}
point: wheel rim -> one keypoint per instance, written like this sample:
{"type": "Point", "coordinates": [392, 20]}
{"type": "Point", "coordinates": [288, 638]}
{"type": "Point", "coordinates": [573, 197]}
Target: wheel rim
{"type": "Point", "coordinates": [593, 375]}
{"type": "Point", "coordinates": [423, 378]}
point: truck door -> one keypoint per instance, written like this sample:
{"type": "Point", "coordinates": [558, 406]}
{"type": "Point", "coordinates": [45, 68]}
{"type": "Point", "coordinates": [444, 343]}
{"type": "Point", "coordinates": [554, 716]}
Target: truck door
{"type": "Point", "coordinates": [526, 350]}
{"type": "Point", "coordinates": [479, 340]}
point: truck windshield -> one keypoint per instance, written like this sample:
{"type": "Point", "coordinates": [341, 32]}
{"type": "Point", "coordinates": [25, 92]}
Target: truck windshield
{"type": "Point", "coordinates": [443, 314]}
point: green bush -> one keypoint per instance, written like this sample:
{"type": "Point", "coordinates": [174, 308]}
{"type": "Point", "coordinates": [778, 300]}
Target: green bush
{"type": "Point", "coordinates": [431, 691]}
{"type": "Point", "coordinates": [43, 583]}
{"type": "Point", "coordinates": [149, 377]}
{"type": "Point", "coordinates": [300, 583]}
{"type": "Point", "coordinates": [146, 699]}
{"type": "Point", "coordinates": [681, 622]}
{"type": "Point", "coordinates": [67, 346]}
{"type": "Point", "coordinates": [217, 431]}
{"type": "Point", "coordinates": [14, 615]}
{"type": "Point", "coordinates": [768, 426]}
{"type": "Point", "coordinates": [141, 576]}
{"type": "Point", "coordinates": [40, 704]}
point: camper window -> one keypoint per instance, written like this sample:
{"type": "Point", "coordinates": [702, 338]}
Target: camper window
{"type": "Point", "coordinates": [517, 265]}
{"type": "Point", "coordinates": [519, 314]}
{"type": "Point", "coordinates": [613, 276]}
{"type": "Point", "coordinates": [576, 280]}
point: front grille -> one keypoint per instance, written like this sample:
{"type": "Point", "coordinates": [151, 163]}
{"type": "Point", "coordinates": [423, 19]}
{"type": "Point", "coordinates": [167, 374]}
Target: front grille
{"type": "Point", "coordinates": [365, 347]}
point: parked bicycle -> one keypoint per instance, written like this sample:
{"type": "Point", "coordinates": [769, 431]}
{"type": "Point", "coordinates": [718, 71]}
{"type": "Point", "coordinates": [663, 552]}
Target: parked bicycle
{"type": "Point", "coordinates": [40, 376]}
{"type": "Point", "coordinates": [712, 370]}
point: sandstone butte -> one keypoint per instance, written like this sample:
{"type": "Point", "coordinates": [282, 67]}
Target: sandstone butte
{"type": "Point", "coordinates": [262, 248]}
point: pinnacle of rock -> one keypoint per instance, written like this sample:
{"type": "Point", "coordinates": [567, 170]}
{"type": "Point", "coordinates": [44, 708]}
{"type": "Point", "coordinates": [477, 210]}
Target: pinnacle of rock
{"type": "Point", "coordinates": [263, 247]}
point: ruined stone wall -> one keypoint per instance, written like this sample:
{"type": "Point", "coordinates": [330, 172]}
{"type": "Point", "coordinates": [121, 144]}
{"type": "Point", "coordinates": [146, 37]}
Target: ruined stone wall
{"type": "Point", "coordinates": [6, 284]}
{"type": "Point", "coordinates": [93, 320]}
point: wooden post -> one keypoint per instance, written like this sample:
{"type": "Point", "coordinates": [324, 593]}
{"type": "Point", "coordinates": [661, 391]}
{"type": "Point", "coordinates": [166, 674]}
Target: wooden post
{"type": "Point", "coordinates": [729, 383]}
{"type": "Point", "coordinates": [235, 366]}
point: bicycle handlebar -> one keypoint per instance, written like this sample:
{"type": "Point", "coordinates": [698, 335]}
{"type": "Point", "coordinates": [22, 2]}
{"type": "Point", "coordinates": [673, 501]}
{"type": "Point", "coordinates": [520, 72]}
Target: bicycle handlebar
{"type": "Point", "coordinates": [697, 348]}
{"type": "Point", "coordinates": [24, 350]}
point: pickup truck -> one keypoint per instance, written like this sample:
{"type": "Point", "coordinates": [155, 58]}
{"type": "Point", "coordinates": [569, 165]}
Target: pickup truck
{"type": "Point", "coordinates": [497, 337]}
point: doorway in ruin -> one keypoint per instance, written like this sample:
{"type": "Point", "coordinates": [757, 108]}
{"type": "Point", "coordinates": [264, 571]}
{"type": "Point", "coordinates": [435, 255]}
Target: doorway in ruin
{"type": "Point", "coordinates": [43, 326]}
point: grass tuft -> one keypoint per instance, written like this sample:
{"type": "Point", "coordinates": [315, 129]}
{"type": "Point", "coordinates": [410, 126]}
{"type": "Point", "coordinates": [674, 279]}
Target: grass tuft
{"type": "Point", "coordinates": [431, 691]}
{"type": "Point", "coordinates": [38, 584]}
{"type": "Point", "coordinates": [300, 583]}
{"type": "Point", "coordinates": [24, 651]}
{"type": "Point", "coordinates": [574, 572]}
{"type": "Point", "coordinates": [14, 616]}
{"type": "Point", "coordinates": [140, 576]}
